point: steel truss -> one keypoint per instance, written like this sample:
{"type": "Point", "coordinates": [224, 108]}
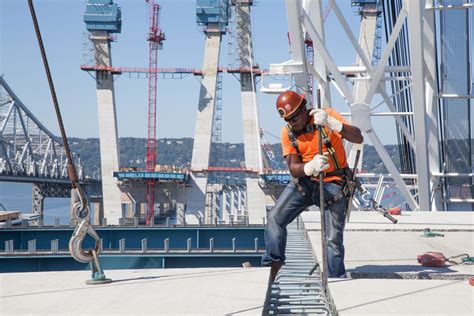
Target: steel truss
{"type": "Point", "coordinates": [27, 148]}
{"type": "Point", "coordinates": [420, 191]}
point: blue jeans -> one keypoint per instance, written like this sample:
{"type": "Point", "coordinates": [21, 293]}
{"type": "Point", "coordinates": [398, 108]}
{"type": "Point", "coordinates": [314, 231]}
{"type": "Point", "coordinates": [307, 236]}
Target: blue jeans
{"type": "Point", "coordinates": [289, 206]}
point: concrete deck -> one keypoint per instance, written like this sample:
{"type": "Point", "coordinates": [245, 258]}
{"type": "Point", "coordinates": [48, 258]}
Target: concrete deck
{"type": "Point", "coordinates": [382, 260]}
{"type": "Point", "coordinates": [380, 256]}
{"type": "Point", "coordinates": [223, 291]}
{"type": "Point", "coordinates": [402, 297]}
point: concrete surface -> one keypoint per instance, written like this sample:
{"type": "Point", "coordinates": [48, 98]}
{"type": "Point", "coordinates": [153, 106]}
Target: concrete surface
{"type": "Point", "coordinates": [397, 252]}
{"type": "Point", "coordinates": [402, 297]}
{"type": "Point", "coordinates": [417, 221]}
{"type": "Point", "coordinates": [394, 249]}
{"type": "Point", "coordinates": [386, 278]}
{"type": "Point", "coordinates": [377, 251]}
{"type": "Point", "coordinates": [223, 291]}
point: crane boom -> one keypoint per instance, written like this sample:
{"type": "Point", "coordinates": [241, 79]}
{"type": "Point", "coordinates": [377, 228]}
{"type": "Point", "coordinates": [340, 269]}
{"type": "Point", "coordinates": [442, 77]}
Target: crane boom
{"type": "Point", "coordinates": [155, 39]}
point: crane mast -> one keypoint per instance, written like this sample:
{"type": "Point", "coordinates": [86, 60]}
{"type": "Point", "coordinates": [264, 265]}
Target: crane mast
{"type": "Point", "coordinates": [155, 39]}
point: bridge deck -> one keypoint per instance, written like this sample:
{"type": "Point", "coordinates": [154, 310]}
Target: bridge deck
{"type": "Point", "coordinates": [181, 177]}
{"type": "Point", "coordinates": [203, 291]}
{"type": "Point", "coordinates": [385, 276]}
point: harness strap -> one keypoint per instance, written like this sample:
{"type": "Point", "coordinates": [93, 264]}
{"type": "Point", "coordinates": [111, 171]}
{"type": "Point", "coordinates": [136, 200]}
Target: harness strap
{"type": "Point", "coordinates": [329, 148]}
{"type": "Point", "coordinates": [339, 173]}
{"type": "Point", "coordinates": [292, 135]}
{"type": "Point", "coordinates": [294, 141]}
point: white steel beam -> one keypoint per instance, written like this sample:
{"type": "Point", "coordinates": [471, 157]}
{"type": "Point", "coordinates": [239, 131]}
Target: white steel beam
{"type": "Point", "coordinates": [28, 144]}
{"type": "Point", "coordinates": [379, 71]}
{"type": "Point", "coordinates": [296, 35]}
{"type": "Point", "coordinates": [7, 116]}
{"type": "Point", "coordinates": [362, 69]}
{"type": "Point", "coordinates": [416, 11]}
{"type": "Point", "coordinates": [326, 58]}
{"type": "Point", "coordinates": [429, 51]}
{"type": "Point", "coordinates": [315, 12]}
{"type": "Point", "coordinates": [377, 84]}
{"type": "Point", "coordinates": [357, 46]}
{"type": "Point", "coordinates": [363, 48]}
{"type": "Point", "coordinates": [396, 114]}
{"type": "Point", "coordinates": [432, 7]}
{"type": "Point", "coordinates": [361, 112]}
{"type": "Point", "coordinates": [372, 108]}
{"type": "Point", "coordinates": [393, 171]}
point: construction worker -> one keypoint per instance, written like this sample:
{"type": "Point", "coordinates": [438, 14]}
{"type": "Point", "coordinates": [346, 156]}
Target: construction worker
{"type": "Point", "coordinates": [299, 140]}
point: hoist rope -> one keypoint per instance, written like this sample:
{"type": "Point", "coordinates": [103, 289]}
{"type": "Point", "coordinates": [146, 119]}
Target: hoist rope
{"type": "Point", "coordinates": [71, 168]}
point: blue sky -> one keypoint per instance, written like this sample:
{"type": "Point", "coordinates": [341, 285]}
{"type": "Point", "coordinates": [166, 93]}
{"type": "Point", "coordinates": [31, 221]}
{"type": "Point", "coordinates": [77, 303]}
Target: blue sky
{"type": "Point", "coordinates": [62, 28]}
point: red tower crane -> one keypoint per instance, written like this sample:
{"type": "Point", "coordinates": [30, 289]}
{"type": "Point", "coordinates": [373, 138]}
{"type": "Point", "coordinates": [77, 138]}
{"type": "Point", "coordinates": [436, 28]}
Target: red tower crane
{"type": "Point", "coordinates": [155, 41]}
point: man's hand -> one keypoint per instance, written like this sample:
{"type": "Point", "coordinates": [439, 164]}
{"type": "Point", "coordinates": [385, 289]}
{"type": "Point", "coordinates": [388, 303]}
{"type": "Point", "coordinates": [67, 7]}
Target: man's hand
{"type": "Point", "coordinates": [315, 166]}
{"type": "Point", "coordinates": [322, 118]}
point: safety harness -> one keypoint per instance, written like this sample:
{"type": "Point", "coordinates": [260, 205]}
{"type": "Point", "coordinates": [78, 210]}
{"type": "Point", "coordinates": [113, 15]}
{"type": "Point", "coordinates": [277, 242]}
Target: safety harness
{"type": "Point", "coordinates": [349, 184]}
{"type": "Point", "coordinates": [341, 172]}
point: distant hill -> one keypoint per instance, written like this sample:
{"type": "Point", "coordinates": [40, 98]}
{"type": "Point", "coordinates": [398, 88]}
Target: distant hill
{"type": "Point", "coordinates": [177, 152]}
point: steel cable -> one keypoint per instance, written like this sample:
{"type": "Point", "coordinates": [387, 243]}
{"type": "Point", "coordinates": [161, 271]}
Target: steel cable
{"type": "Point", "coordinates": [71, 168]}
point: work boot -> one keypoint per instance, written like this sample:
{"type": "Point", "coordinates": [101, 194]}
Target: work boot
{"type": "Point", "coordinates": [274, 268]}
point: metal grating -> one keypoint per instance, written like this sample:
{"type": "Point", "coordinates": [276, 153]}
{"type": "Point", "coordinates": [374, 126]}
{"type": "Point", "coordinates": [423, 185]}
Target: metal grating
{"type": "Point", "coordinates": [295, 291]}
{"type": "Point", "coordinates": [400, 56]}
{"type": "Point", "coordinates": [456, 42]}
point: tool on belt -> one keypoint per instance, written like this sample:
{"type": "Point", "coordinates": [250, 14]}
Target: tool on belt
{"type": "Point", "coordinates": [353, 183]}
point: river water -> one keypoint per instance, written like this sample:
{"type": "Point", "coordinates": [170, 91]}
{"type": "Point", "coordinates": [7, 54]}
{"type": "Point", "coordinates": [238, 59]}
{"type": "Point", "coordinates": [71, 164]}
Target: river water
{"type": "Point", "coordinates": [17, 197]}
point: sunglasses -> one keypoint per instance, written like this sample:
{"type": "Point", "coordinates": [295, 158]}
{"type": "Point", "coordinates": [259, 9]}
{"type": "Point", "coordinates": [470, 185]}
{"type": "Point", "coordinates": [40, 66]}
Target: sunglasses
{"type": "Point", "coordinates": [295, 116]}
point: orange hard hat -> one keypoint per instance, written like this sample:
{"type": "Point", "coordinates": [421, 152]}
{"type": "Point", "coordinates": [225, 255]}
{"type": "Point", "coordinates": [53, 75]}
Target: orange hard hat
{"type": "Point", "coordinates": [288, 102]}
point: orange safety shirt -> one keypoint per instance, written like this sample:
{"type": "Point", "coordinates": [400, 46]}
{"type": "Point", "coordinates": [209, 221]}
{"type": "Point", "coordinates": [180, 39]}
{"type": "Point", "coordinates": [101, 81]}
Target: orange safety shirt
{"type": "Point", "coordinates": [308, 145]}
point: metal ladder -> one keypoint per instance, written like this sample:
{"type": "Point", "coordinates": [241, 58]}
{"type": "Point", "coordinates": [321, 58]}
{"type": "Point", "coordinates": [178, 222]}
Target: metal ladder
{"type": "Point", "coordinates": [295, 291]}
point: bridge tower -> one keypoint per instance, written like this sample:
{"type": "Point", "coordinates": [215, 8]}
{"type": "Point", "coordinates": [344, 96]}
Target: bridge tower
{"type": "Point", "coordinates": [102, 18]}
{"type": "Point", "coordinates": [213, 16]}
{"type": "Point", "coordinates": [251, 130]}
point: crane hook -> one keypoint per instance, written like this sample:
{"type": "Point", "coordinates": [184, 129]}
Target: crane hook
{"type": "Point", "coordinates": [80, 213]}
{"type": "Point", "coordinates": [75, 243]}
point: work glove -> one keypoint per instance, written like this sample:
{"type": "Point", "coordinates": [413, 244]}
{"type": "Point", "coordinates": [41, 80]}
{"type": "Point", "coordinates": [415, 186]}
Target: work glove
{"type": "Point", "coordinates": [322, 118]}
{"type": "Point", "coordinates": [316, 165]}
